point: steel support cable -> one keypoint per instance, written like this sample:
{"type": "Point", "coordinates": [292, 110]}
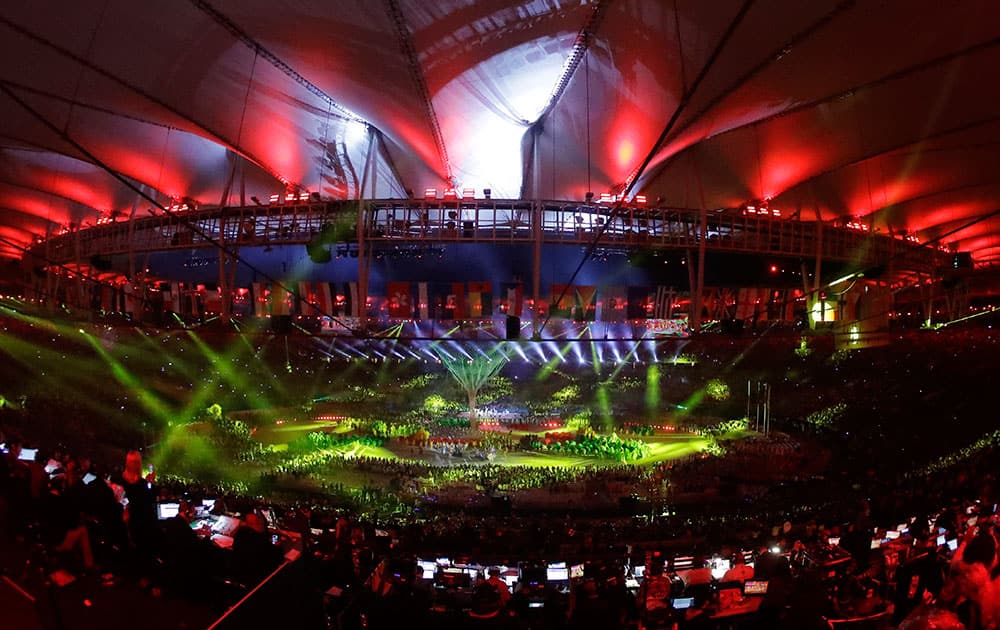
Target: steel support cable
{"type": "Point", "coordinates": [232, 254]}
{"type": "Point", "coordinates": [848, 93]}
{"type": "Point", "coordinates": [767, 61]}
{"type": "Point", "coordinates": [258, 48]}
{"type": "Point", "coordinates": [417, 74]}
{"type": "Point", "coordinates": [681, 105]}
{"type": "Point", "coordinates": [217, 135]}
{"type": "Point", "coordinates": [580, 48]}
{"type": "Point", "coordinates": [335, 108]}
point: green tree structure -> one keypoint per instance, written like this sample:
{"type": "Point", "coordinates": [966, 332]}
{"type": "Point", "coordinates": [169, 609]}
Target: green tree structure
{"type": "Point", "coordinates": [473, 374]}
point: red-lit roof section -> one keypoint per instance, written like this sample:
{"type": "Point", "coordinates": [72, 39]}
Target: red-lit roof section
{"type": "Point", "coordinates": [884, 111]}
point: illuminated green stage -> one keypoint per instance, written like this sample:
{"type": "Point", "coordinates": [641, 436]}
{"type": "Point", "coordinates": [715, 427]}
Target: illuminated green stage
{"type": "Point", "coordinates": [251, 411]}
{"type": "Point", "coordinates": [662, 447]}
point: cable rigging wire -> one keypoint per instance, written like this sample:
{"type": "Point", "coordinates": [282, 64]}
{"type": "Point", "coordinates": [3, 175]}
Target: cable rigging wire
{"type": "Point", "coordinates": [681, 105]}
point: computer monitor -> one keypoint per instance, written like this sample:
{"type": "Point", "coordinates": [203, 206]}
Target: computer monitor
{"type": "Point", "coordinates": [682, 603]}
{"type": "Point", "coordinates": [719, 568]}
{"type": "Point", "coordinates": [892, 534]}
{"type": "Point", "coordinates": [639, 570]}
{"type": "Point", "coordinates": [28, 454]}
{"type": "Point", "coordinates": [89, 478]}
{"type": "Point", "coordinates": [510, 580]}
{"type": "Point", "coordinates": [953, 544]}
{"type": "Point", "coordinates": [533, 574]}
{"type": "Point", "coordinates": [556, 573]}
{"type": "Point", "coordinates": [683, 562]}
{"type": "Point", "coordinates": [167, 510]}
{"type": "Point", "coordinates": [941, 540]}
{"type": "Point", "coordinates": [576, 571]}
{"type": "Point", "coordinates": [428, 568]}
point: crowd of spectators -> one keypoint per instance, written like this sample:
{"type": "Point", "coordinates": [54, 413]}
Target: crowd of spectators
{"type": "Point", "coordinates": [100, 516]}
{"type": "Point", "coordinates": [74, 509]}
{"type": "Point", "coordinates": [104, 521]}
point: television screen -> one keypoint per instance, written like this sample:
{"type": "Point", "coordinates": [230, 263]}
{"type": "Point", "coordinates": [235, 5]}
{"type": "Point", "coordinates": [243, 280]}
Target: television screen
{"type": "Point", "coordinates": [557, 574]}
{"type": "Point", "coordinates": [683, 562]}
{"type": "Point", "coordinates": [680, 603]}
{"type": "Point", "coordinates": [719, 568]}
{"type": "Point", "coordinates": [167, 510]}
{"type": "Point", "coordinates": [533, 574]}
{"type": "Point", "coordinates": [428, 569]}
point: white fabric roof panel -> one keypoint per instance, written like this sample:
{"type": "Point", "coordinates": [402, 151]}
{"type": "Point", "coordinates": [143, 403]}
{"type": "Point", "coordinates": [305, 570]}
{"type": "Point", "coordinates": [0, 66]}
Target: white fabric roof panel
{"type": "Point", "coordinates": [885, 110]}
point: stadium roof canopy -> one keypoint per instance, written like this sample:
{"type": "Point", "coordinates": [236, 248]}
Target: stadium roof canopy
{"type": "Point", "coordinates": [884, 110]}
